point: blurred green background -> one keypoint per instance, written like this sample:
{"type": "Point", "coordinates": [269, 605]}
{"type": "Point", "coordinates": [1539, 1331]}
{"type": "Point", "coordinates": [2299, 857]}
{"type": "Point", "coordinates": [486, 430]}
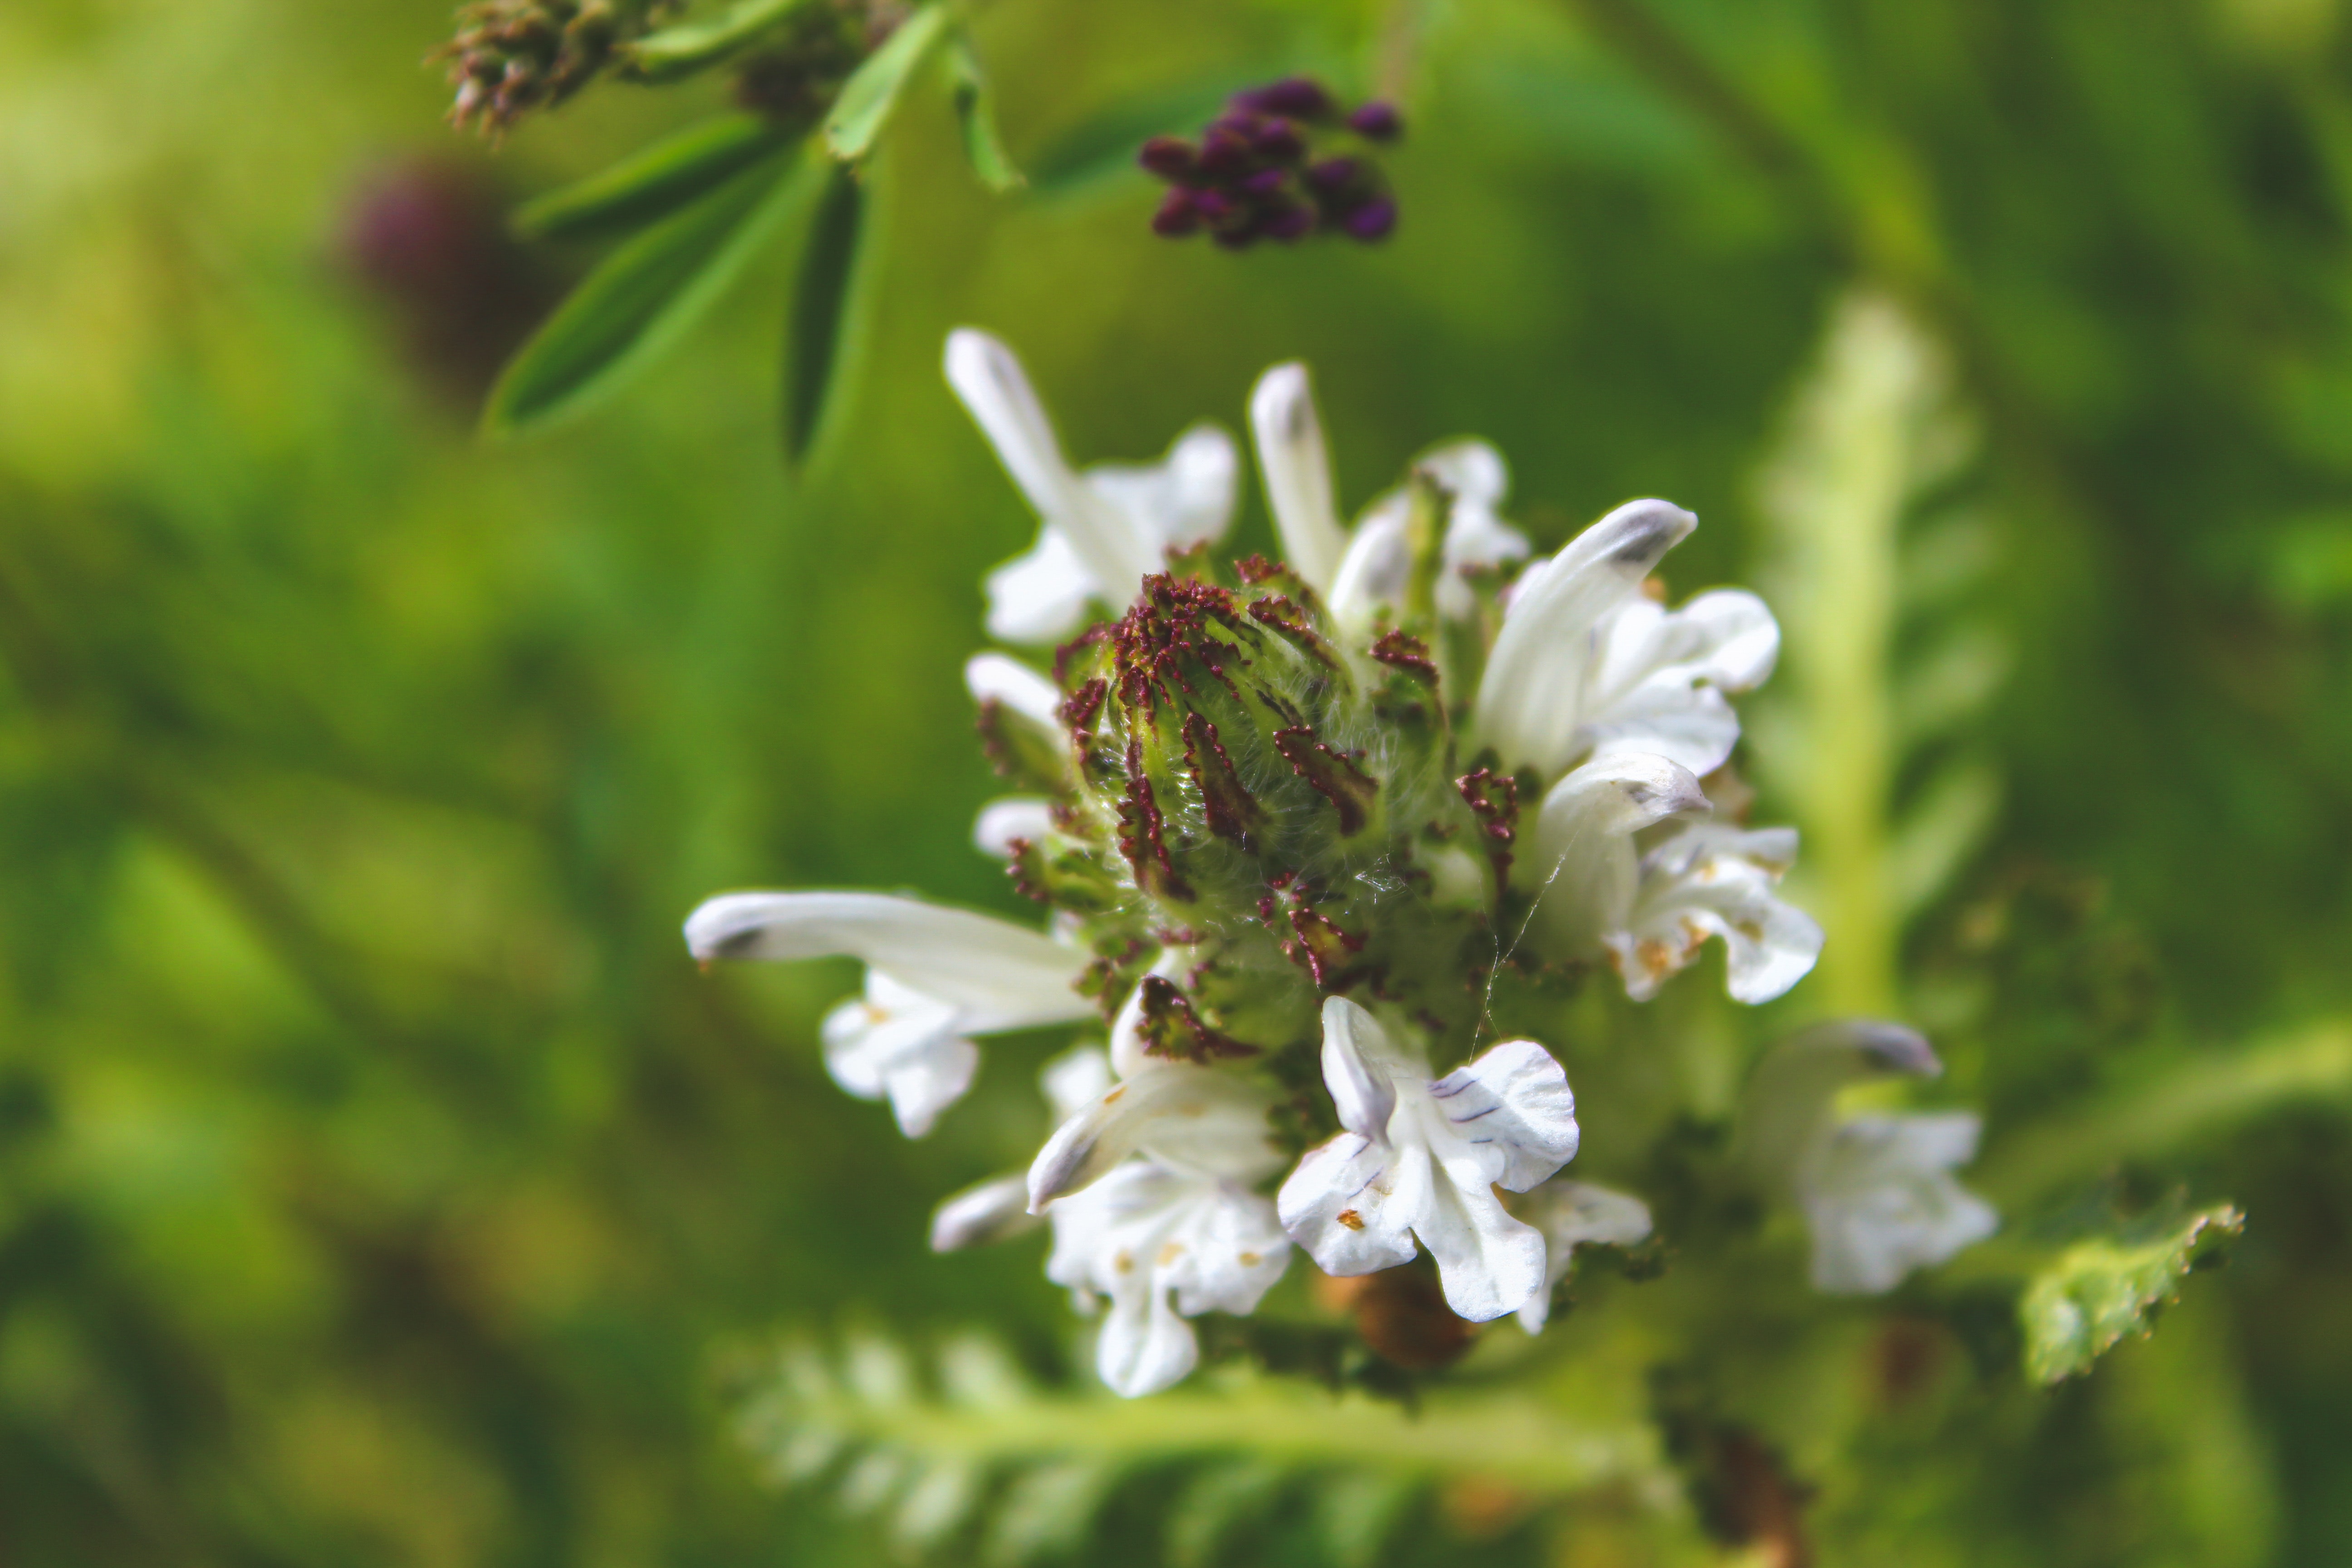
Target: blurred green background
{"type": "Point", "coordinates": [378, 1179]}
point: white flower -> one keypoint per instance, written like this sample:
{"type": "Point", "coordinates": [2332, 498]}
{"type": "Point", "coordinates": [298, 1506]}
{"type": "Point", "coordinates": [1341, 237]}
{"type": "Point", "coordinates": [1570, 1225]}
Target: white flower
{"type": "Point", "coordinates": [1421, 1161]}
{"type": "Point", "coordinates": [1878, 1193]}
{"type": "Point", "coordinates": [999, 678]}
{"type": "Point", "coordinates": [1148, 1187]}
{"type": "Point", "coordinates": [1649, 910]}
{"type": "Point", "coordinates": [934, 977]}
{"type": "Point", "coordinates": [1102, 531]}
{"type": "Point", "coordinates": [1585, 667]}
{"type": "Point", "coordinates": [1572, 1215]}
{"type": "Point", "coordinates": [1877, 1190]}
{"type": "Point", "coordinates": [1356, 574]}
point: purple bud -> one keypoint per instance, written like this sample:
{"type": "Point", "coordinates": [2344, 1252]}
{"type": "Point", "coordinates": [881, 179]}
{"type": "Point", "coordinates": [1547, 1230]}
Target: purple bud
{"type": "Point", "coordinates": [1224, 151]}
{"type": "Point", "coordinates": [1374, 220]}
{"type": "Point", "coordinates": [1170, 157]}
{"type": "Point", "coordinates": [1333, 173]}
{"type": "Point", "coordinates": [1265, 183]}
{"type": "Point", "coordinates": [1378, 121]}
{"type": "Point", "coordinates": [1178, 216]}
{"type": "Point", "coordinates": [1279, 139]}
{"type": "Point", "coordinates": [1215, 206]}
{"type": "Point", "coordinates": [1297, 96]}
{"type": "Point", "coordinates": [1289, 222]}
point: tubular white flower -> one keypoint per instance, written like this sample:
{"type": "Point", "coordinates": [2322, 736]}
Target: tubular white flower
{"type": "Point", "coordinates": [1159, 1244]}
{"type": "Point", "coordinates": [1148, 1187]}
{"type": "Point", "coordinates": [1877, 1190]}
{"type": "Point", "coordinates": [993, 1211]}
{"type": "Point", "coordinates": [935, 976]}
{"type": "Point", "coordinates": [1017, 816]}
{"type": "Point", "coordinates": [1585, 667]}
{"type": "Point", "coordinates": [1420, 1162]}
{"type": "Point", "coordinates": [1356, 574]}
{"type": "Point", "coordinates": [1650, 911]}
{"type": "Point", "coordinates": [1101, 532]}
{"type": "Point", "coordinates": [1711, 879]}
{"type": "Point", "coordinates": [1572, 1215]}
{"type": "Point", "coordinates": [1879, 1197]}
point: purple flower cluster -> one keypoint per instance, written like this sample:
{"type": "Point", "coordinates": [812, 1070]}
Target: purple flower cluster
{"type": "Point", "coordinates": [1281, 163]}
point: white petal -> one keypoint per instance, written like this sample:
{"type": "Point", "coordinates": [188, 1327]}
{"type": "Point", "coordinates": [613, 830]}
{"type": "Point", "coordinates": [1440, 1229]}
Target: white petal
{"type": "Point", "coordinates": [1475, 537]}
{"type": "Point", "coordinates": [1377, 567]}
{"type": "Point", "coordinates": [995, 678]}
{"type": "Point", "coordinates": [1017, 816]}
{"type": "Point", "coordinates": [1693, 726]}
{"type": "Point", "coordinates": [1355, 1068]}
{"type": "Point", "coordinates": [1351, 1204]}
{"type": "Point", "coordinates": [1298, 470]}
{"type": "Point", "coordinates": [1072, 1080]}
{"type": "Point", "coordinates": [1572, 1215]}
{"type": "Point", "coordinates": [1227, 1252]}
{"type": "Point", "coordinates": [1531, 698]}
{"type": "Point", "coordinates": [1201, 1117]}
{"type": "Point", "coordinates": [1487, 1262]}
{"type": "Point", "coordinates": [1515, 1104]}
{"type": "Point", "coordinates": [1715, 880]}
{"type": "Point", "coordinates": [988, 378]}
{"type": "Point", "coordinates": [1881, 1201]}
{"type": "Point", "coordinates": [1144, 1346]}
{"type": "Point", "coordinates": [1126, 1043]}
{"type": "Point", "coordinates": [1584, 857]}
{"type": "Point", "coordinates": [991, 1211]}
{"type": "Point", "coordinates": [1001, 977]}
{"type": "Point", "coordinates": [903, 1045]}
{"type": "Point", "coordinates": [1185, 499]}
{"type": "Point", "coordinates": [1042, 596]}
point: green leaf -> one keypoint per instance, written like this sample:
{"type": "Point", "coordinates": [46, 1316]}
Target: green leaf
{"type": "Point", "coordinates": [820, 308]}
{"type": "Point", "coordinates": [1104, 146]}
{"type": "Point", "coordinates": [871, 94]}
{"type": "Point", "coordinates": [690, 46]}
{"type": "Point", "coordinates": [653, 183]}
{"type": "Point", "coordinates": [2105, 1287]}
{"type": "Point", "coordinates": [976, 113]}
{"type": "Point", "coordinates": [639, 301]}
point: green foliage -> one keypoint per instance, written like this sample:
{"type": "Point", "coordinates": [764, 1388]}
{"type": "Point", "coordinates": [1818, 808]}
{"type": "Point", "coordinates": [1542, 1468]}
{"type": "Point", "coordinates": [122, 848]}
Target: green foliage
{"type": "Point", "coordinates": [869, 97]}
{"type": "Point", "coordinates": [651, 185]}
{"type": "Point", "coordinates": [642, 299]}
{"type": "Point", "coordinates": [819, 328]}
{"type": "Point", "coordinates": [982, 1463]}
{"type": "Point", "coordinates": [2104, 1287]}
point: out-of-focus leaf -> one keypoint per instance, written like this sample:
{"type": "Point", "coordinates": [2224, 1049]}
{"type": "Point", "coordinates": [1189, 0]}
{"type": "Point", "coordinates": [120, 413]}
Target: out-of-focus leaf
{"type": "Point", "coordinates": [653, 183]}
{"type": "Point", "coordinates": [2105, 1287]}
{"type": "Point", "coordinates": [690, 46]}
{"type": "Point", "coordinates": [976, 113]}
{"type": "Point", "coordinates": [1099, 148]}
{"type": "Point", "coordinates": [871, 94]}
{"type": "Point", "coordinates": [639, 301]}
{"type": "Point", "coordinates": [820, 308]}
{"type": "Point", "coordinates": [1215, 1504]}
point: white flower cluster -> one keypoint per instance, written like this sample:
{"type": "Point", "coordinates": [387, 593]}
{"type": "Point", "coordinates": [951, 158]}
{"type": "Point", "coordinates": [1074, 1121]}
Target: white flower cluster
{"type": "Point", "coordinates": [1152, 1182]}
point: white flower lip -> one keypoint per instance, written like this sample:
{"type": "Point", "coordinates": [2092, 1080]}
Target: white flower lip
{"type": "Point", "coordinates": [1572, 1215]}
{"type": "Point", "coordinates": [1879, 1197]}
{"type": "Point", "coordinates": [1161, 1244]}
{"type": "Point", "coordinates": [1361, 1202]}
